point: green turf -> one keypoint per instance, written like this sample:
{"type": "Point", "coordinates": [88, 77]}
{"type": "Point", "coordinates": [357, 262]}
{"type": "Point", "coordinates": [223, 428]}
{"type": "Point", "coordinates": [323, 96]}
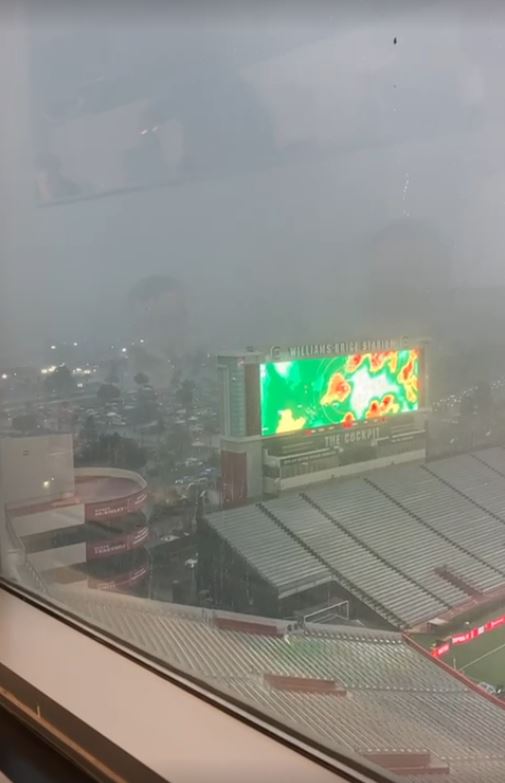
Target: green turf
{"type": "Point", "coordinates": [482, 659]}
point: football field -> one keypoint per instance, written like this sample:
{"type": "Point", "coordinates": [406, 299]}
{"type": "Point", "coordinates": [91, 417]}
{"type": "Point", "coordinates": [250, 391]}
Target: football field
{"type": "Point", "coordinates": [483, 658]}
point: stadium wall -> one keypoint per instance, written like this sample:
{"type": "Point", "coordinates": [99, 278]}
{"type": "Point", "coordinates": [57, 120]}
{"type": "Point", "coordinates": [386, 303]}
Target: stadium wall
{"type": "Point", "coordinates": [274, 486]}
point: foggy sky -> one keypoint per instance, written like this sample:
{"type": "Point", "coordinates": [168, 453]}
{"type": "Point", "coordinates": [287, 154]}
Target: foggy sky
{"type": "Point", "coordinates": [307, 137]}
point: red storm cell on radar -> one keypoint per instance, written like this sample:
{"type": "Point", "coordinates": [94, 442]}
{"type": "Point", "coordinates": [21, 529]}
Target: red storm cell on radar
{"type": "Point", "coordinates": [374, 410]}
{"type": "Point", "coordinates": [338, 390]}
{"type": "Point", "coordinates": [353, 362]}
{"type": "Point", "coordinates": [407, 377]}
{"type": "Point", "coordinates": [349, 420]}
{"type": "Point", "coordinates": [406, 372]}
{"type": "Point", "coordinates": [378, 360]}
{"type": "Point", "coordinates": [389, 404]}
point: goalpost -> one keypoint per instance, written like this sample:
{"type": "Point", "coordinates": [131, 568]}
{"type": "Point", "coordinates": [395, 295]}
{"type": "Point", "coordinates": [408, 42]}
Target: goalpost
{"type": "Point", "coordinates": [340, 609]}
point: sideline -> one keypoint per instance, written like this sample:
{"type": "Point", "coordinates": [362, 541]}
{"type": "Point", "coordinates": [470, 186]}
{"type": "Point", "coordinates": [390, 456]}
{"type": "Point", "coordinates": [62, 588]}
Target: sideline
{"type": "Point", "coordinates": [481, 657]}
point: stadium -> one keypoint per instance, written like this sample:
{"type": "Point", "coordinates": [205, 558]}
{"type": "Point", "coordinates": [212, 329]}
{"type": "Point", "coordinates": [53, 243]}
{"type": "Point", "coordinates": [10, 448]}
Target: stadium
{"type": "Point", "coordinates": [410, 543]}
{"type": "Point", "coordinates": [363, 598]}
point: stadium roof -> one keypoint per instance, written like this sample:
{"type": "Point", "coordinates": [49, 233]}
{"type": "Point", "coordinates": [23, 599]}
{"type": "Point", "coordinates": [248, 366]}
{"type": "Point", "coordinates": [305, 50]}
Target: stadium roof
{"type": "Point", "coordinates": [411, 541]}
{"type": "Point", "coordinates": [388, 700]}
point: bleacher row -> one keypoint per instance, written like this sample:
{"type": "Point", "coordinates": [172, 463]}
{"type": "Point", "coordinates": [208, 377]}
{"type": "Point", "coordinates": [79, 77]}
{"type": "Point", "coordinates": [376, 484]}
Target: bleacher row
{"type": "Point", "coordinates": [411, 541]}
{"type": "Point", "coordinates": [395, 698]}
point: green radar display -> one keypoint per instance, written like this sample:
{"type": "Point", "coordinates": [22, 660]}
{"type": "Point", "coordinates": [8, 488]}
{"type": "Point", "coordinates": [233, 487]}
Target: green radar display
{"type": "Point", "coordinates": [308, 394]}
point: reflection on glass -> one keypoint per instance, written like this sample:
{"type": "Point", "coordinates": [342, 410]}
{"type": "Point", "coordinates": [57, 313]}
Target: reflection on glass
{"type": "Point", "coordinates": [252, 379]}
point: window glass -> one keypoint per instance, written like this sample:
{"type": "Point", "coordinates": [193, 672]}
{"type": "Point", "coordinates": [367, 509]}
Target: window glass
{"type": "Point", "coordinates": [252, 372]}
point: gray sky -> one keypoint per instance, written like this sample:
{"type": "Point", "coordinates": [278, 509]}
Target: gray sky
{"type": "Point", "coordinates": [294, 141]}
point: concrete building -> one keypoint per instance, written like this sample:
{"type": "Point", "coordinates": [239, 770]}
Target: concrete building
{"type": "Point", "coordinates": [83, 526]}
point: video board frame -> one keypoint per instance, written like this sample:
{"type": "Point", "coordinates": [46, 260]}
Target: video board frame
{"type": "Point", "coordinates": [319, 394]}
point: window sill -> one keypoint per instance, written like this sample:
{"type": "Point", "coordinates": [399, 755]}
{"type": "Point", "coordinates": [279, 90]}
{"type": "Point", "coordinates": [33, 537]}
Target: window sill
{"type": "Point", "coordinates": [124, 721]}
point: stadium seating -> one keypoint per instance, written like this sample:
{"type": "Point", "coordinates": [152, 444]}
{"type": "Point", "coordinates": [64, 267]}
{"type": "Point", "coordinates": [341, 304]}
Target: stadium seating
{"type": "Point", "coordinates": [470, 533]}
{"type": "Point", "coordinates": [387, 699]}
{"type": "Point", "coordinates": [411, 541]}
{"type": "Point", "coordinates": [387, 530]}
{"type": "Point", "coordinates": [361, 563]}
{"type": "Point", "coordinates": [476, 478]}
{"type": "Point", "coordinates": [278, 558]}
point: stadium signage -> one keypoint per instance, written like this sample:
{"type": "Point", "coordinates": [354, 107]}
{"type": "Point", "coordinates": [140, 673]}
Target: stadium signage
{"type": "Point", "coordinates": [335, 348]}
{"type": "Point", "coordinates": [468, 636]}
{"type": "Point", "coordinates": [350, 437]}
{"type": "Point", "coordinates": [117, 545]}
{"type": "Point", "coordinates": [338, 440]}
{"type": "Point", "coordinates": [101, 509]}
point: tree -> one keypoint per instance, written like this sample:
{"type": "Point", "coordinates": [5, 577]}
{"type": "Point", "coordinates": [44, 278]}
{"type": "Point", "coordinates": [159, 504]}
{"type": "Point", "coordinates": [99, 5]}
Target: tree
{"type": "Point", "coordinates": [89, 432]}
{"type": "Point", "coordinates": [60, 383]}
{"type": "Point", "coordinates": [25, 422]}
{"type": "Point", "coordinates": [185, 393]}
{"type": "Point", "coordinates": [176, 378]}
{"type": "Point", "coordinates": [113, 374]}
{"type": "Point", "coordinates": [166, 462]}
{"type": "Point", "coordinates": [141, 379]}
{"type": "Point", "coordinates": [113, 451]}
{"type": "Point", "coordinates": [108, 392]}
{"type": "Point", "coordinates": [146, 409]}
{"type": "Point", "coordinates": [198, 360]}
{"type": "Point", "coordinates": [213, 460]}
{"type": "Point", "coordinates": [160, 427]}
{"type": "Point", "coordinates": [181, 440]}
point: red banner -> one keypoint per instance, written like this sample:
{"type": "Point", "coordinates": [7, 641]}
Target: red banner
{"type": "Point", "coordinates": [468, 636]}
{"type": "Point", "coordinates": [115, 546]}
{"type": "Point", "coordinates": [107, 509]}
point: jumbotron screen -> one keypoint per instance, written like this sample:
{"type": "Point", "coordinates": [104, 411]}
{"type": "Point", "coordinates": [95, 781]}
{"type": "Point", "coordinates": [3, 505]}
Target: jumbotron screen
{"type": "Point", "coordinates": [341, 390]}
